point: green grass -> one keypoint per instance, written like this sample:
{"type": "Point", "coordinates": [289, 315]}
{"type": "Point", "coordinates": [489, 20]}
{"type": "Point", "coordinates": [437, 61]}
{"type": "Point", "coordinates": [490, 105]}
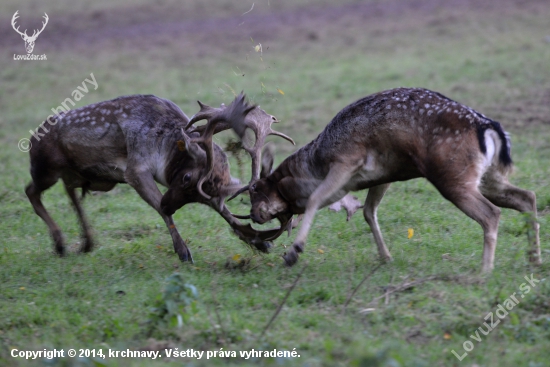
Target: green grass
{"type": "Point", "coordinates": [494, 60]}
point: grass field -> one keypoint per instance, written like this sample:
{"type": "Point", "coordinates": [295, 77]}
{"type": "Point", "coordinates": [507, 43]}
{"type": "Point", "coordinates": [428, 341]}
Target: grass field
{"type": "Point", "coordinates": [492, 56]}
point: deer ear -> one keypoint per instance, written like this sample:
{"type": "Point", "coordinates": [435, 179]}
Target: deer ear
{"type": "Point", "coordinates": [267, 160]}
{"type": "Point", "coordinates": [194, 150]}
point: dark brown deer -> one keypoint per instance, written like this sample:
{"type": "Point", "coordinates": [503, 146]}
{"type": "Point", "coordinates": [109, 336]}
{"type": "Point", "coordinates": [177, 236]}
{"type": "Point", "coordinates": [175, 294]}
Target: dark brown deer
{"type": "Point", "coordinates": [398, 135]}
{"type": "Point", "coordinates": [138, 140]}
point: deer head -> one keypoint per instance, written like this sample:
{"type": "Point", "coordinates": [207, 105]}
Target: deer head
{"type": "Point", "coordinates": [29, 40]}
{"type": "Point", "coordinates": [189, 168]}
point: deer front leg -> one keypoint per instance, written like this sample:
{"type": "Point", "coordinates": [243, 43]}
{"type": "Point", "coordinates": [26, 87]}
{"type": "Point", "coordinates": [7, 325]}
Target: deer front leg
{"type": "Point", "coordinates": [146, 187]}
{"type": "Point", "coordinates": [337, 177]}
{"type": "Point", "coordinates": [374, 198]}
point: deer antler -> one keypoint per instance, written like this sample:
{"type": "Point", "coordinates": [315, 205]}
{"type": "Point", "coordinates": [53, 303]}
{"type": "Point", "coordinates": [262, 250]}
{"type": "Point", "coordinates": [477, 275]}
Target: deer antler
{"type": "Point", "coordinates": [251, 117]}
{"type": "Point", "coordinates": [35, 35]}
{"type": "Point", "coordinates": [24, 34]}
{"type": "Point", "coordinates": [13, 21]}
{"type": "Point", "coordinates": [260, 123]}
{"type": "Point", "coordinates": [219, 119]}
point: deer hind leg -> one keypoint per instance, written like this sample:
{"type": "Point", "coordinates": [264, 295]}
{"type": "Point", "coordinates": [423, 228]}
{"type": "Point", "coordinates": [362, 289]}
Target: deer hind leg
{"type": "Point", "coordinates": [146, 187]}
{"type": "Point", "coordinates": [500, 192]}
{"type": "Point", "coordinates": [34, 193]}
{"type": "Point", "coordinates": [467, 198]}
{"type": "Point", "coordinates": [374, 198]}
{"type": "Point", "coordinates": [337, 177]}
{"type": "Point", "coordinates": [86, 232]}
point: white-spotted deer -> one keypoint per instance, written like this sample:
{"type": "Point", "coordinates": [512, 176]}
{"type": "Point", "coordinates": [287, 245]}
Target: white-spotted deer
{"type": "Point", "coordinates": [398, 135]}
{"type": "Point", "coordinates": [138, 140]}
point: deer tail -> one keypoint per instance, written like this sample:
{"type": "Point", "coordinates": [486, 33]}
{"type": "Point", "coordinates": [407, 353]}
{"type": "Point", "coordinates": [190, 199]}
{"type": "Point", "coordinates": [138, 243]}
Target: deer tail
{"type": "Point", "coordinates": [504, 160]}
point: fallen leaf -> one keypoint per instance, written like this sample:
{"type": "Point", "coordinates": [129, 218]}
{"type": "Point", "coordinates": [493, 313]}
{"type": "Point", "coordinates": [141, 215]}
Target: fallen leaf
{"type": "Point", "coordinates": [447, 336]}
{"type": "Point", "coordinates": [22, 288]}
{"type": "Point", "coordinates": [270, 264]}
{"type": "Point", "coordinates": [320, 251]}
{"type": "Point", "coordinates": [280, 91]}
{"type": "Point", "coordinates": [410, 233]}
{"type": "Point", "coordinates": [236, 257]}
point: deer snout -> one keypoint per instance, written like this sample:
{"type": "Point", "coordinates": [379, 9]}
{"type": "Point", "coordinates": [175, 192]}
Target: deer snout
{"type": "Point", "coordinates": [260, 215]}
{"type": "Point", "coordinates": [255, 218]}
{"type": "Point", "coordinates": [166, 209]}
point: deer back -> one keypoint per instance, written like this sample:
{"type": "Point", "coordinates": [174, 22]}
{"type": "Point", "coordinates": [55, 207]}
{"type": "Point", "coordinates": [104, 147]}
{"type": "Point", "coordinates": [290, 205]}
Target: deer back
{"type": "Point", "coordinates": [404, 133]}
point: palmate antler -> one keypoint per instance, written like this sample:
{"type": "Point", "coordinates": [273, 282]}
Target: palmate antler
{"type": "Point", "coordinates": [219, 119]}
{"type": "Point", "coordinates": [239, 116]}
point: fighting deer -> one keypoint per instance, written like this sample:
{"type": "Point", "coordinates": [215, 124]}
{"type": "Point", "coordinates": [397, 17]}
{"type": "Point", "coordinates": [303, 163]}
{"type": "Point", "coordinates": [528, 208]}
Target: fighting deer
{"type": "Point", "coordinates": [399, 135]}
{"type": "Point", "coordinates": [138, 140]}
{"type": "Point", "coordinates": [29, 40]}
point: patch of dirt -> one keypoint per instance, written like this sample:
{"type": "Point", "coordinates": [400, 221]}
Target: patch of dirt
{"type": "Point", "coordinates": [528, 110]}
{"type": "Point", "coordinates": [150, 25]}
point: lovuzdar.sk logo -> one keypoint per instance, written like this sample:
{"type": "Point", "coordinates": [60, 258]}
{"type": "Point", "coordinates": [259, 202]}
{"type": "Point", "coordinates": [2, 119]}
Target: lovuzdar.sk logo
{"type": "Point", "coordinates": [29, 40]}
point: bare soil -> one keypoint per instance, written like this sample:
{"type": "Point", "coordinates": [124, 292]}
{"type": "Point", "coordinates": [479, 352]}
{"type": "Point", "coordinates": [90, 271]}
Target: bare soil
{"type": "Point", "coordinates": [146, 25]}
{"type": "Point", "coordinates": [194, 33]}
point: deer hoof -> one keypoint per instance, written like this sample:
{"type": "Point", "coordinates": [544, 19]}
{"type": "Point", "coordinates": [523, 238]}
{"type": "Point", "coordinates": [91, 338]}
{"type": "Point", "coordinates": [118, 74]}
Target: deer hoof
{"type": "Point", "coordinates": [59, 243]}
{"type": "Point", "coordinates": [263, 246]}
{"type": "Point", "coordinates": [290, 257]}
{"type": "Point", "coordinates": [299, 247]}
{"type": "Point", "coordinates": [534, 259]}
{"type": "Point", "coordinates": [185, 255]}
{"type": "Point", "coordinates": [386, 259]}
{"type": "Point", "coordinates": [88, 245]}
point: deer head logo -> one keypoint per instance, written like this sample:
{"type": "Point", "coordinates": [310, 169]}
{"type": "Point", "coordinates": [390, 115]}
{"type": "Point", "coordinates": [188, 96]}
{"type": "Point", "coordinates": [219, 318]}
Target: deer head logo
{"type": "Point", "coordinates": [29, 40]}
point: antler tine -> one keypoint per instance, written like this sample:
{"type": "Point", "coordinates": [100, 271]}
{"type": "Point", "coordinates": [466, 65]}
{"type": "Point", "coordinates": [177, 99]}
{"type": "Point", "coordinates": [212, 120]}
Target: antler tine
{"type": "Point", "coordinates": [277, 133]}
{"type": "Point", "coordinates": [205, 113]}
{"type": "Point", "coordinates": [240, 191]}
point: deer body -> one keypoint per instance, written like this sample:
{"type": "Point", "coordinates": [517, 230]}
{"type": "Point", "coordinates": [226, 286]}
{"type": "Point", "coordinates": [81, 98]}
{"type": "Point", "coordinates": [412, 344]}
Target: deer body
{"type": "Point", "coordinates": [399, 135]}
{"type": "Point", "coordinates": [136, 140]}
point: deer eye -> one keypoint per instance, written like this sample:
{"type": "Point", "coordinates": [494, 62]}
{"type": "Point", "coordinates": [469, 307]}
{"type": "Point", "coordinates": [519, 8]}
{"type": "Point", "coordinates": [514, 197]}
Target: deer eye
{"type": "Point", "coordinates": [187, 177]}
